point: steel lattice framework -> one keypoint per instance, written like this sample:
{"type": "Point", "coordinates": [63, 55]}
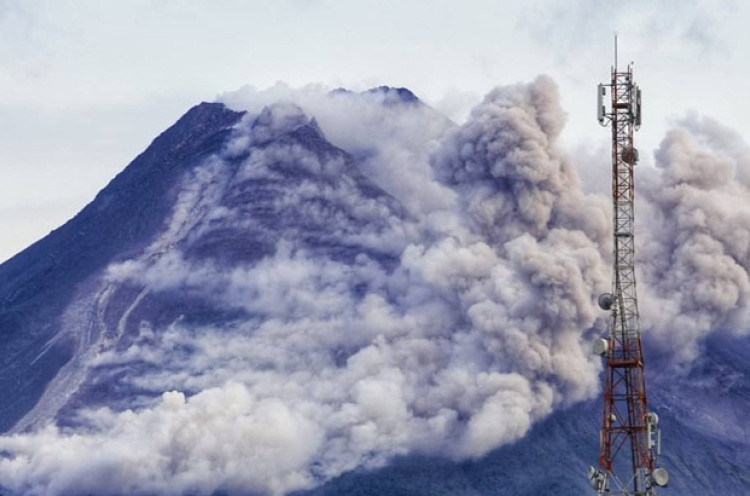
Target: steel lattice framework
{"type": "Point", "coordinates": [629, 434]}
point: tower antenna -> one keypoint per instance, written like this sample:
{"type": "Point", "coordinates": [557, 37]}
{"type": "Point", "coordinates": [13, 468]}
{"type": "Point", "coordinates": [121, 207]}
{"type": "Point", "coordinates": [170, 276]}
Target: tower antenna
{"type": "Point", "coordinates": [615, 50]}
{"type": "Point", "coordinates": [630, 439]}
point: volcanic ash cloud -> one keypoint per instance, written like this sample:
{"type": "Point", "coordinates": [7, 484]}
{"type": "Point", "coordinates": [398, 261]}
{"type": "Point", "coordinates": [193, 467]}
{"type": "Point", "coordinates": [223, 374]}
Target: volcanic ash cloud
{"type": "Point", "coordinates": [696, 244]}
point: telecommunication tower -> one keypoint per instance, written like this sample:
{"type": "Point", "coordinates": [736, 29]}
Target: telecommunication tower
{"type": "Point", "coordinates": [630, 441]}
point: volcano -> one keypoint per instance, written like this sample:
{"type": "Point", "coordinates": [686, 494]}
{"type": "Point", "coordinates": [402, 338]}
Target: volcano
{"type": "Point", "coordinates": [333, 293]}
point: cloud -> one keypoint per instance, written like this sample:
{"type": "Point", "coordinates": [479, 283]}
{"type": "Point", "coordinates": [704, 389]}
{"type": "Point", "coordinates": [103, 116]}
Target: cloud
{"type": "Point", "coordinates": [697, 248]}
{"type": "Point", "coordinates": [512, 177]}
{"type": "Point", "coordinates": [179, 446]}
{"type": "Point", "coordinates": [19, 23]}
{"type": "Point", "coordinates": [662, 26]}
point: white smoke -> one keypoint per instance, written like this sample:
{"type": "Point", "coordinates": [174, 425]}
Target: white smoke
{"type": "Point", "coordinates": [391, 142]}
{"type": "Point", "coordinates": [478, 329]}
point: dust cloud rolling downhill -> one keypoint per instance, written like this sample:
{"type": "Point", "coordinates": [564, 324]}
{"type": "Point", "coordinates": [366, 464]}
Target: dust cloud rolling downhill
{"type": "Point", "coordinates": [325, 292]}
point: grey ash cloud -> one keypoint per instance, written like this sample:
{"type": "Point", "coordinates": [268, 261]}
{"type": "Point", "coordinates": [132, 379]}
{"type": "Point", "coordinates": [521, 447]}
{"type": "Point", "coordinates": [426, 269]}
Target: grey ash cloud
{"type": "Point", "coordinates": [696, 250]}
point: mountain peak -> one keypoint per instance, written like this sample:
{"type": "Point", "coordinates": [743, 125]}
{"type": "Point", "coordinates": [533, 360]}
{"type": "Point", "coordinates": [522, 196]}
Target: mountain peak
{"type": "Point", "coordinates": [279, 119]}
{"type": "Point", "coordinates": [393, 95]}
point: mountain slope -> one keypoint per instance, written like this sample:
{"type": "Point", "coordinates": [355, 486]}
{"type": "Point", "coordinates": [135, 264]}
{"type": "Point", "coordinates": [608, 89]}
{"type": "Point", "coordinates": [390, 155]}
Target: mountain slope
{"type": "Point", "coordinates": [37, 284]}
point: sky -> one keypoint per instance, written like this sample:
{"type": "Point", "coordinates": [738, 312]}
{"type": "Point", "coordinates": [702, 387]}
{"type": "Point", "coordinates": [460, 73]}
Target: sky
{"type": "Point", "coordinates": [86, 85]}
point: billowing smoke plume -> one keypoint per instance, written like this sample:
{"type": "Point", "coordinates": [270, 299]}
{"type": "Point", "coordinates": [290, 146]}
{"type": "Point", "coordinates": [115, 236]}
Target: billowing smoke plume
{"type": "Point", "coordinates": [511, 179]}
{"type": "Point", "coordinates": [696, 243]}
{"type": "Point", "coordinates": [444, 317]}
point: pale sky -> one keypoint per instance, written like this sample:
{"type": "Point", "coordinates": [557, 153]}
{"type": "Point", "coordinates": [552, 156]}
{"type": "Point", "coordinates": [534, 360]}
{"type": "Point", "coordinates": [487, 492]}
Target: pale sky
{"type": "Point", "coordinates": [85, 85]}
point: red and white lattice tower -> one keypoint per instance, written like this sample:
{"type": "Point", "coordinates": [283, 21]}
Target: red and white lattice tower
{"type": "Point", "coordinates": [630, 437]}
